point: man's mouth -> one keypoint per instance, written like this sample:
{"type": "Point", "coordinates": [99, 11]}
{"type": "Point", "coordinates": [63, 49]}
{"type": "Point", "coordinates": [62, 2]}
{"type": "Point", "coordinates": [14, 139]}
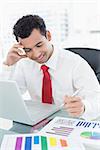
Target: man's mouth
{"type": "Point", "coordinates": [40, 58]}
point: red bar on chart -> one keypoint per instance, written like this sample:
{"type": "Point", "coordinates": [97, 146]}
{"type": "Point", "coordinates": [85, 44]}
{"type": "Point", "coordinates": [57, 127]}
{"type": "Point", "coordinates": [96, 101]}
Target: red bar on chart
{"type": "Point", "coordinates": [63, 143]}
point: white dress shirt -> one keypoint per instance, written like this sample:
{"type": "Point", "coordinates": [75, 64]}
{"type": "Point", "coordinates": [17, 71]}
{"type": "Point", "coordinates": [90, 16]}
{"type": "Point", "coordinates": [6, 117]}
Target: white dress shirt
{"type": "Point", "coordinates": [69, 72]}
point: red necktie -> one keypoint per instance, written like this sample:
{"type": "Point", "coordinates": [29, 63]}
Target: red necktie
{"type": "Point", "coordinates": [46, 86]}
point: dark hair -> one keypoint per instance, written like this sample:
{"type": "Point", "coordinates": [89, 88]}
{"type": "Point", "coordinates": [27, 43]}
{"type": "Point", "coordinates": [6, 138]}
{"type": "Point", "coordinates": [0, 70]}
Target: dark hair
{"type": "Point", "coordinates": [25, 25]}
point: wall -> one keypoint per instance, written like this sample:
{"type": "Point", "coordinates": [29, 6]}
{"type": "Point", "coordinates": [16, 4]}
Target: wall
{"type": "Point", "coordinates": [71, 22]}
{"type": "Point", "coordinates": [85, 24]}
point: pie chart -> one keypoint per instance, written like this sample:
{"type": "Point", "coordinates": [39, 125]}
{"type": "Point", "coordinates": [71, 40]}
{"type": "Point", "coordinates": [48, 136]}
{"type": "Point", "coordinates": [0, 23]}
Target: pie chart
{"type": "Point", "coordinates": [90, 135]}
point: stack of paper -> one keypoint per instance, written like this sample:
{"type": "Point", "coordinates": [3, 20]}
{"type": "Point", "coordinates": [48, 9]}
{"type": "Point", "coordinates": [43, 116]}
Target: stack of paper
{"type": "Point", "coordinates": [88, 132]}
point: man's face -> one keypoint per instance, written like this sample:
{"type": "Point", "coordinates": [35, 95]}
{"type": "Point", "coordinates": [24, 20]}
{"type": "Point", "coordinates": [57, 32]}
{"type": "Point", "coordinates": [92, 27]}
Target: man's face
{"type": "Point", "coordinates": [41, 48]}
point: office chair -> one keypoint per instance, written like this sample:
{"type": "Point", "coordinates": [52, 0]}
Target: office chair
{"type": "Point", "coordinates": [91, 55]}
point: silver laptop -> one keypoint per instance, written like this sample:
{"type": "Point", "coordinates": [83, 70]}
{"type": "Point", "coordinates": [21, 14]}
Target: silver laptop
{"type": "Point", "coordinates": [13, 107]}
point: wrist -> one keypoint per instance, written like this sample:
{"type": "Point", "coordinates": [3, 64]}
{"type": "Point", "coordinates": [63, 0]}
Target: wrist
{"type": "Point", "coordinates": [7, 63]}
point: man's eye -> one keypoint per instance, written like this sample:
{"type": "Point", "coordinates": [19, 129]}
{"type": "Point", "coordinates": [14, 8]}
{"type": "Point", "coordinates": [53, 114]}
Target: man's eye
{"type": "Point", "coordinates": [27, 49]}
{"type": "Point", "coordinates": [39, 45]}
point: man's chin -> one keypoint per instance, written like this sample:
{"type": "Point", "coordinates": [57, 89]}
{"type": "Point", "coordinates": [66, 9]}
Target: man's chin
{"type": "Point", "coordinates": [41, 61]}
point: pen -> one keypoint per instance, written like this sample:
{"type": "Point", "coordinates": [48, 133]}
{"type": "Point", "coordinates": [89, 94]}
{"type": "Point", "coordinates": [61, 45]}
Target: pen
{"type": "Point", "coordinates": [74, 94]}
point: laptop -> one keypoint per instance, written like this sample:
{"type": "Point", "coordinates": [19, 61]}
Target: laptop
{"type": "Point", "coordinates": [13, 107]}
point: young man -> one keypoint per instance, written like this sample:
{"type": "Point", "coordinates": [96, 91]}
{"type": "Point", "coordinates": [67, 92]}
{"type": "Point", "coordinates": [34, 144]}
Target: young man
{"type": "Point", "coordinates": [68, 72]}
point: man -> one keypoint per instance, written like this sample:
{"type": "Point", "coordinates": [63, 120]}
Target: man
{"type": "Point", "coordinates": [68, 72]}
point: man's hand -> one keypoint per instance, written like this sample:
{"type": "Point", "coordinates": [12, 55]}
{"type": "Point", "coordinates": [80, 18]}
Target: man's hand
{"type": "Point", "coordinates": [74, 106]}
{"type": "Point", "coordinates": [13, 55]}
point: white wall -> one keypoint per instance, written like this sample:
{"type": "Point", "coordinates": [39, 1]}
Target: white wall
{"type": "Point", "coordinates": [85, 24]}
{"type": "Point", "coordinates": [83, 17]}
{"type": "Point", "coordinates": [54, 14]}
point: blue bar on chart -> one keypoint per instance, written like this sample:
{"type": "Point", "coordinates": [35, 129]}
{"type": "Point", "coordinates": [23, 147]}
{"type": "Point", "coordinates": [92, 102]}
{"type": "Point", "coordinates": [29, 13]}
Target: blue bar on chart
{"type": "Point", "coordinates": [28, 143]}
{"type": "Point", "coordinates": [36, 139]}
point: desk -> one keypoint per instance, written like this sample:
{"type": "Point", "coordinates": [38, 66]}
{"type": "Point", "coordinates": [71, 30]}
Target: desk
{"type": "Point", "coordinates": [22, 128]}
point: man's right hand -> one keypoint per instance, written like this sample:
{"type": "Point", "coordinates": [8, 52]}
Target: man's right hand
{"type": "Point", "coordinates": [13, 55]}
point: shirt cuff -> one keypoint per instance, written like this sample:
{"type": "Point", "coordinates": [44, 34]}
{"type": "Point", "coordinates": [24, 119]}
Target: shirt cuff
{"type": "Point", "coordinates": [88, 114]}
{"type": "Point", "coordinates": [7, 72]}
{"type": "Point", "coordinates": [6, 67]}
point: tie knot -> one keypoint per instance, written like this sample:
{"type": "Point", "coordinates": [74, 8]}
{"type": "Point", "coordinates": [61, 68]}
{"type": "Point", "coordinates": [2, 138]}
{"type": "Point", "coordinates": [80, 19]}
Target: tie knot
{"type": "Point", "coordinates": [44, 68]}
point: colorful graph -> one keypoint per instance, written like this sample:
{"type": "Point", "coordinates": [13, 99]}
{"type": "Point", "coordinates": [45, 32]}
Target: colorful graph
{"type": "Point", "coordinates": [88, 124]}
{"type": "Point", "coordinates": [36, 142]}
{"type": "Point", "coordinates": [91, 135]}
{"type": "Point", "coordinates": [63, 131]}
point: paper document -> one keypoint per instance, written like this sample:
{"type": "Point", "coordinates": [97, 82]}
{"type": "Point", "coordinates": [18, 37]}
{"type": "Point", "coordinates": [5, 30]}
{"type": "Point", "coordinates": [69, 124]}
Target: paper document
{"type": "Point", "coordinates": [88, 132]}
{"type": "Point", "coordinates": [38, 142]}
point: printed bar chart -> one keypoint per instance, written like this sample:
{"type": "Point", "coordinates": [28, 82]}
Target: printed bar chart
{"type": "Point", "coordinates": [86, 124]}
{"type": "Point", "coordinates": [37, 142]}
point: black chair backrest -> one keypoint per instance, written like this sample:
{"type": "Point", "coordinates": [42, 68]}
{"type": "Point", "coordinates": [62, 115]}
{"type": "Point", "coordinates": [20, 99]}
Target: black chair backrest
{"type": "Point", "coordinates": [92, 56]}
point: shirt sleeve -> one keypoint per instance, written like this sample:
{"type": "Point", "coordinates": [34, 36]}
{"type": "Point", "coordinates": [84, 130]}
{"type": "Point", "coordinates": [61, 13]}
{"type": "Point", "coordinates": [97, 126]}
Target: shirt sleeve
{"type": "Point", "coordinates": [14, 72]}
{"type": "Point", "coordinates": [85, 78]}
{"type": "Point", "coordinates": [7, 72]}
{"type": "Point", "coordinates": [19, 77]}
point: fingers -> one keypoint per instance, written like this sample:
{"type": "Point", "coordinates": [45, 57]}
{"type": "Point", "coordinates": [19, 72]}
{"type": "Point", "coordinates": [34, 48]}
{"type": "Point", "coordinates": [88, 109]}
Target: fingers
{"type": "Point", "coordinates": [15, 47]}
{"type": "Point", "coordinates": [18, 48]}
{"type": "Point", "coordinates": [71, 99]}
{"type": "Point", "coordinates": [73, 105]}
{"type": "Point", "coordinates": [14, 55]}
{"type": "Point", "coordinates": [75, 112]}
{"type": "Point", "coordinates": [21, 52]}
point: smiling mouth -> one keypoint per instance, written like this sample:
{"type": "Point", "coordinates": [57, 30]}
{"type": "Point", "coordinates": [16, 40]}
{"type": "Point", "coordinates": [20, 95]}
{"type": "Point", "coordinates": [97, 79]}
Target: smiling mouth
{"type": "Point", "coordinates": [41, 57]}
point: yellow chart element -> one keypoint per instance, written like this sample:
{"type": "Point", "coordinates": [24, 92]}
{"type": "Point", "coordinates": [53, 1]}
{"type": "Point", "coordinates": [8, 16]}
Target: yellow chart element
{"type": "Point", "coordinates": [53, 141]}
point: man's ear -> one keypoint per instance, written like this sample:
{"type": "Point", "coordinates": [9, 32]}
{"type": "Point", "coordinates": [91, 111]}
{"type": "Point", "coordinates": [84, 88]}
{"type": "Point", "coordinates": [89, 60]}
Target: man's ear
{"type": "Point", "coordinates": [48, 35]}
